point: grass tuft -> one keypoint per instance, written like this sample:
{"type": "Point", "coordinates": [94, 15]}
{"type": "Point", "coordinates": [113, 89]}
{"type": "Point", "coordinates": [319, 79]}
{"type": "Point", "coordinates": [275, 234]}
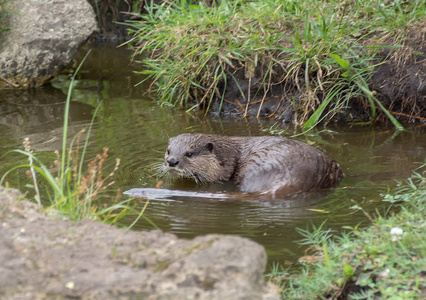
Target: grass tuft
{"type": "Point", "coordinates": [383, 261]}
{"type": "Point", "coordinates": [196, 54]}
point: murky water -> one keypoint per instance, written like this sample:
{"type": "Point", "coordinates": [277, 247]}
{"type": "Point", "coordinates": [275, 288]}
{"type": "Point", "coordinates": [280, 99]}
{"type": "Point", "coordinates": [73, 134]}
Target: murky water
{"type": "Point", "coordinates": [136, 129]}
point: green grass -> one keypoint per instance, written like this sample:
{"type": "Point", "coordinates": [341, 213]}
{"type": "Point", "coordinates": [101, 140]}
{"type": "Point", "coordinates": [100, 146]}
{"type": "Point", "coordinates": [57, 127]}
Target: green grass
{"type": "Point", "coordinates": [3, 14]}
{"type": "Point", "coordinates": [372, 263]}
{"type": "Point", "coordinates": [75, 189]}
{"type": "Point", "coordinates": [323, 51]}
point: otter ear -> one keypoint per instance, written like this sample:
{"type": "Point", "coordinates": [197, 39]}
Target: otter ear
{"type": "Point", "coordinates": [209, 146]}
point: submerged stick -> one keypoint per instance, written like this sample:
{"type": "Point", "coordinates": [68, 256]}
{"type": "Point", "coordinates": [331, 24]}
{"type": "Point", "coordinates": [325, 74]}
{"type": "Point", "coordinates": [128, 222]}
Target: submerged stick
{"type": "Point", "coordinates": [166, 194]}
{"type": "Point", "coordinates": [158, 194]}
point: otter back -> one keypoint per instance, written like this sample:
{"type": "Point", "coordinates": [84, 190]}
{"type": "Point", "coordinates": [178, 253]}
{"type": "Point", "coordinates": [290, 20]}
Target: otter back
{"type": "Point", "coordinates": [256, 164]}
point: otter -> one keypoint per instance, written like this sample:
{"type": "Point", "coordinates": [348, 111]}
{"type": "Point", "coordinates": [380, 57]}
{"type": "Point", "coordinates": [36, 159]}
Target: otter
{"type": "Point", "coordinates": [256, 164]}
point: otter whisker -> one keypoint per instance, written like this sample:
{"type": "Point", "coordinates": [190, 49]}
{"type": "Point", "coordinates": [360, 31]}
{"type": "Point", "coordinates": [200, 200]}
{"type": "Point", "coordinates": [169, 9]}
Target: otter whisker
{"type": "Point", "coordinates": [154, 166]}
{"type": "Point", "coordinates": [198, 179]}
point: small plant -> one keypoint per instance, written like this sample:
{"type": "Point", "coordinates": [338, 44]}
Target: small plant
{"type": "Point", "coordinates": [384, 261]}
{"type": "Point", "coordinates": [74, 197]}
{"type": "Point", "coordinates": [75, 187]}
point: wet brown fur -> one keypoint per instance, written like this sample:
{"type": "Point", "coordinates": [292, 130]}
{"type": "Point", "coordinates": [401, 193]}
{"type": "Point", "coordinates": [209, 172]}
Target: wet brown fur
{"type": "Point", "coordinates": [256, 164]}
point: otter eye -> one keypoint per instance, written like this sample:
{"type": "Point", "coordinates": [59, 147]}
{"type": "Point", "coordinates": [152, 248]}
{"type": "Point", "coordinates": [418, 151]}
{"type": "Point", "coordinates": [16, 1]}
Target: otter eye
{"type": "Point", "coordinates": [189, 154]}
{"type": "Point", "coordinates": [168, 151]}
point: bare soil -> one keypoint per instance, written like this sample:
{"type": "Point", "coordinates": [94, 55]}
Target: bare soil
{"type": "Point", "coordinates": [400, 81]}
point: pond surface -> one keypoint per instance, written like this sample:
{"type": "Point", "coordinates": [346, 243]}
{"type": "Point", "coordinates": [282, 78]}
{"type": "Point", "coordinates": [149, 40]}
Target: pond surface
{"type": "Point", "coordinates": [136, 129]}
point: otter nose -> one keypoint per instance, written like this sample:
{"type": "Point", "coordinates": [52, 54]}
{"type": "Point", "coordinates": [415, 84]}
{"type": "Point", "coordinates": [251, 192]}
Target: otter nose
{"type": "Point", "coordinates": [172, 162]}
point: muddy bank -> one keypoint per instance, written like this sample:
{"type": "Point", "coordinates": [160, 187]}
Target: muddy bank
{"type": "Point", "coordinates": [398, 81]}
{"type": "Point", "coordinates": [45, 257]}
{"type": "Point", "coordinates": [306, 71]}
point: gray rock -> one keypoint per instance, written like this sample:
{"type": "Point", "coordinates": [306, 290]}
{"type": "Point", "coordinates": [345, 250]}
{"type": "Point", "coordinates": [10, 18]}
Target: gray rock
{"type": "Point", "coordinates": [42, 257]}
{"type": "Point", "coordinates": [44, 36]}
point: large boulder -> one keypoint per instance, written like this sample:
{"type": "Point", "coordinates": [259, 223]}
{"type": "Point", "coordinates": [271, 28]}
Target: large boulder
{"type": "Point", "coordinates": [42, 257]}
{"type": "Point", "coordinates": [44, 36]}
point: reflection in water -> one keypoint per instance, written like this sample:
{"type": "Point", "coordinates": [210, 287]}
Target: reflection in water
{"type": "Point", "coordinates": [37, 110]}
{"type": "Point", "coordinates": [136, 129]}
{"type": "Point", "coordinates": [38, 115]}
{"type": "Point", "coordinates": [271, 223]}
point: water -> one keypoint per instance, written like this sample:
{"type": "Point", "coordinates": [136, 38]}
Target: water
{"type": "Point", "coordinates": [136, 129]}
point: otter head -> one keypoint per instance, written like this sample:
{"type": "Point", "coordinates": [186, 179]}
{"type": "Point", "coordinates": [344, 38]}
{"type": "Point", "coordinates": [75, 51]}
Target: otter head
{"type": "Point", "coordinates": [195, 156]}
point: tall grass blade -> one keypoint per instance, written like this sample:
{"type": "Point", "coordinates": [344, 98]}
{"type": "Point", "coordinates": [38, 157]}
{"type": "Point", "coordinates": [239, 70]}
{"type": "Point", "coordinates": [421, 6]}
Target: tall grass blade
{"type": "Point", "coordinates": [315, 117]}
{"type": "Point", "coordinates": [66, 114]}
{"type": "Point", "coordinates": [362, 84]}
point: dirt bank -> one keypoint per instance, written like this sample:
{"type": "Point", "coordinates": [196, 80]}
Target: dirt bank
{"type": "Point", "coordinates": [294, 65]}
{"type": "Point", "coordinates": [399, 82]}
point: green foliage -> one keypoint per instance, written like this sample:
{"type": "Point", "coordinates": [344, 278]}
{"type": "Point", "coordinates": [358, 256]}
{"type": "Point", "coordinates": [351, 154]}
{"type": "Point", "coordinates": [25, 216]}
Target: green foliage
{"type": "Point", "coordinates": [74, 190]}
{"type": "Point", "coordinates": [355, 76]}
{"type": "Point", "coordinates": [384, 261]}
{"type": "Point", "coordinates": [3, 14]}
{"type": "Point", "coordinates": [321, 49]}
